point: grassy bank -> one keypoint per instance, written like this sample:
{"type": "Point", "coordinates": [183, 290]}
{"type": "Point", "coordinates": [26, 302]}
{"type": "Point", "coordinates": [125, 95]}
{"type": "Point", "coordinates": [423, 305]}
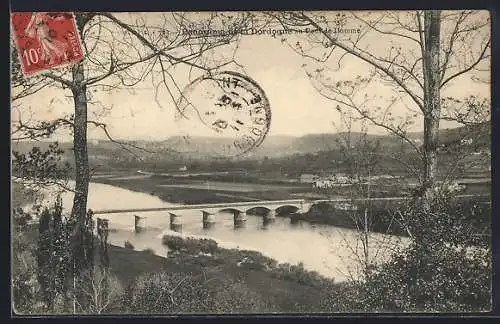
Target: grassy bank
{"type": "Point", "coordinates": [276, 288]}
{"type": "Point", "coordinates": [209, 251]}
{"type": "Point", "coordinates": [285, 295]}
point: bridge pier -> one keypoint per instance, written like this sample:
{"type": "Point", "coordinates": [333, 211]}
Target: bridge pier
{"type": "Point", "coordinates": [294, 218]}
{"type": "Point", "coordinates": [208, 220]}
{"type": "Point", "coordinates": [304, 208]}
{"type": "Point", "coordinates": [139, 223]}
{"type": "Point", "coordinates": [175, 222]}
{"type": "Point", "coordinates": [270, 217]}
{"type": "Point", "coordinates": [240, 219]}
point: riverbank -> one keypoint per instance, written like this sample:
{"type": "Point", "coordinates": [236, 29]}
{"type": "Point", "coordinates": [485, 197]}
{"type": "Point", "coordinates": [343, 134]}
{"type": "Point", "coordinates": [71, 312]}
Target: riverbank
{"type": "Point", "coordinates": [282, 288]}
{"type": "Point", "coordinates": [258, 284]}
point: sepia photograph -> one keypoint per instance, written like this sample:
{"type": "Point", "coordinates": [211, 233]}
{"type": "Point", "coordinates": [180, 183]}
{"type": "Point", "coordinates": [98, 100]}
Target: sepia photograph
{"type": "Point", "coordinates": [250, 162]}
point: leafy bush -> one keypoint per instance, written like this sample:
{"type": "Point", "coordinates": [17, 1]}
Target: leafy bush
{"type": "Point", "coordinates": [253, 257]}
{"type": "Point", "coordinates": [25, 287]}
{"type": "Point", "coordinates": [174, 293]}
{"type": "Point", "coordinates": [436, 280]}
{"type": "Point", "coordinates": [297, 273]}
{"type": "Point", "coordinates": [446, 268]}
{"type": "Point", "coordinates": [190, 245]}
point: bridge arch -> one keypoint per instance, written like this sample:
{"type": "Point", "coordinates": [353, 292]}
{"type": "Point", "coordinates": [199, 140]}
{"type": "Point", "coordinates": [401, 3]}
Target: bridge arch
{"type": "Point", "coordinates": [231, 210]}
{"type": "Point", "coordinates": [287, 209]}
{"type": "Point", "coordinates": [259, 210]}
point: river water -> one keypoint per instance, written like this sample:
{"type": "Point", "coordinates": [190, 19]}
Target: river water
{"type": "Point", "coordinates": [331, 251]}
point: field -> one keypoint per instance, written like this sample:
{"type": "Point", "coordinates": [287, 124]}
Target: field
{"type": "Point", "coordinates": [232, 187]}
{"type": "Point", "coordinates": [190, 191]}
{"type": "Point", "coordinates": [196, 190]}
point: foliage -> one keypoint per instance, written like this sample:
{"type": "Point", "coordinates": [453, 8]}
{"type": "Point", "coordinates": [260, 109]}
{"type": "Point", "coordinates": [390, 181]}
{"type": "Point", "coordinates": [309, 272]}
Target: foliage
{"type": "Point", "coordinates": [190, 245]}
{"type": "Point", "coordinates": [50, 273]}
{"type": "Point", "coordinates": [99, 291]}
{"type": "Point", "coordinates": [53, 259]}
{"type": "Point", "coordinates": [446, 268]}
{"type": "Point", "coordinates": [40, 168]}
{"type": "Point", "coordinates": [385, 216]}
{"type": "Point", "coordinates": [167, 293]}
{"type": "Point", "coordinates": [22, 196]}
{"type": "Point", "coordinates": [298, 273]}
{"type": "Point", "coordinates": [20, 219]}
{"type": "Point", "coordinates": [431, 280]}
{"type": "Point", "coordinates": [25, 288]}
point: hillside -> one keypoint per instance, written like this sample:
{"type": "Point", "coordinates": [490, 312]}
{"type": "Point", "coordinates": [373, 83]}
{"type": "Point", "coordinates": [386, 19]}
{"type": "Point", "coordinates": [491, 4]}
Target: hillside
{"type": "Point", "coordinates": [200, 148]}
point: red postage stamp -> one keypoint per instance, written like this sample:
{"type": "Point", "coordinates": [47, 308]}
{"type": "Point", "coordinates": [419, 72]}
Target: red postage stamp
{"type": "Point", "coordinates": [46, 40]}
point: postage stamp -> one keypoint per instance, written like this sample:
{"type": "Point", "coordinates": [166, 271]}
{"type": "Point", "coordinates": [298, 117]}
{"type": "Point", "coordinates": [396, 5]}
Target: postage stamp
{"type": "Point", "coordinates": [46, 40]}
{"type": "Point", "coordinates": [229, 105]}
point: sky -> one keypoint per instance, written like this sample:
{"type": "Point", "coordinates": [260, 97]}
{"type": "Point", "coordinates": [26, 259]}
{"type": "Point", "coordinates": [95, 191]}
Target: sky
{"type": "Point", "coordinates": [297, 107]}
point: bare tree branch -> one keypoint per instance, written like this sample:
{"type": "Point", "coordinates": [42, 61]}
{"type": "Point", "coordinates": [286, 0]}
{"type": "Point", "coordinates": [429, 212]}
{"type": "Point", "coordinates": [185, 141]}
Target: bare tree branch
{"type": "Point", "coordinates": [470, 67]}
{"type": "Point", "coordinates": [366, 59]}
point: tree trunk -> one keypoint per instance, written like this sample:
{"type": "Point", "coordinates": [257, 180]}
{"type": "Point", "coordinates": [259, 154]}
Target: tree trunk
{"type": "Point", "coordinates": [82, 173]}
{"type": "Point", "coordinates": [432, 102]}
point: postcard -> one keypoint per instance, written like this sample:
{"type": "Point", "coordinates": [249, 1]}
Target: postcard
{"type": "Point", "coordinates": [168, 163]}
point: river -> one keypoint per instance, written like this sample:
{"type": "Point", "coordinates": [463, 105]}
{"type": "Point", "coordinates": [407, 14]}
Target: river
{"type": "Point", "coordinates": [331, 251]}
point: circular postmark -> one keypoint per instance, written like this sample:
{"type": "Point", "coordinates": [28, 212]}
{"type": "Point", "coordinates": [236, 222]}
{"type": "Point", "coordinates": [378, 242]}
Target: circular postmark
{"type": "Point", "coordinates": [229, 106]}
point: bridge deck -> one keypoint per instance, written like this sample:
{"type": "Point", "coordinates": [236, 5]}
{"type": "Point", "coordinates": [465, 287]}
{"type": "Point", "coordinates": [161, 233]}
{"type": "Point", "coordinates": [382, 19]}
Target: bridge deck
{"type": "Point", "coordinates": [262, 203]}
{"type": "Point", "coordinates": [204, 206]}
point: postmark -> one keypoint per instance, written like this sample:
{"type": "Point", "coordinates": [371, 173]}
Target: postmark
{"type": "Point", "coordinates": [229, 106]}
{"type": "Point", "coordinates": [46, 40]}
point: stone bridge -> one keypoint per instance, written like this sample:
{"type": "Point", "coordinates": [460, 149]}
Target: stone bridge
{"type": "Point", "coordinates": [269, 210]}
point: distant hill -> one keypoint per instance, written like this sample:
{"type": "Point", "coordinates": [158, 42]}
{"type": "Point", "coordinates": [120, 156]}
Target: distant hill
{"type": "Point", "coordinates": [273, 146]}
{"type": "Point", "coordinates": [480, 132]}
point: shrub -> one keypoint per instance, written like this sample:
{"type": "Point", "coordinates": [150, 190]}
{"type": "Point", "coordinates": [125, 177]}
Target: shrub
{"type": "Point", "coordinates": [98, 291]}
{"type": "Point", "coordinates": [174, 293]}
{"type": "Point", "coordinates": [297, 273]}
{"type": "Point", "coordinates": [446, 268]}
{"type": "Point", "coordinates": [190, 245]}
{"type": "Point", "coordinates": [25, 288]}
{"type": "Point", "coordinates": [253, 257]}
{"type": "Point", "coordinates": [437, 280]}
